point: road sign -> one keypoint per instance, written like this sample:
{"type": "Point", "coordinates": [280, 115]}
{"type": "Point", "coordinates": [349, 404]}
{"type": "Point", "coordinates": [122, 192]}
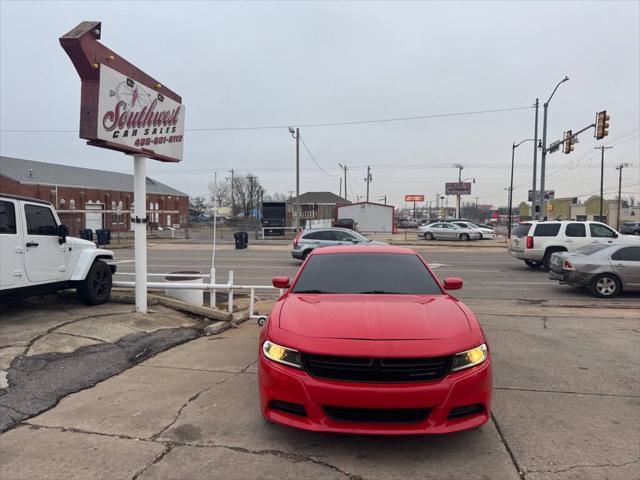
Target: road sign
{"type": "Point", "coordinates": [414, 198]}
{"type": "Point", "coordinates": [457, 188]}
{"type": "Point", "coordinates": [548, 195]}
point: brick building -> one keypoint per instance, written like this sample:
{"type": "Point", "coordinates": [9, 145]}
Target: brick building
{"type": "Point", "coordinates": [86, 198]}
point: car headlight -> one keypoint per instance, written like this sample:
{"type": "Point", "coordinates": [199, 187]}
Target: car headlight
{"type": "Point", "coordinates": [469, 358]}
{"type": "Point", "coordinates": [281, 354]}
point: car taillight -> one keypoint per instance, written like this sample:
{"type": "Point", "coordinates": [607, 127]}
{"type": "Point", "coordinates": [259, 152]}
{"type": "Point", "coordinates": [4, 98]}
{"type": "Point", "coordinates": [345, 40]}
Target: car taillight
{"type": "Point", "coordinates": [567, 265]}
{"type": "Point", "coordinates": [295, 240]}
{"type": "Point", "coordinates": [529, 242]}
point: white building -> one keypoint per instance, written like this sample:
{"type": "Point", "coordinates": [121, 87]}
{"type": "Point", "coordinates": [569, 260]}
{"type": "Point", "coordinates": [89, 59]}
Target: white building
{"type": "Point", "coordinates": [370, 217]}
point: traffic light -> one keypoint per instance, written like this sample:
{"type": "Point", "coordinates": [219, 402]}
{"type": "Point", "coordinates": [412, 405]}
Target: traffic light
{"type": "Point", "coordinates": [569, 142]}
{"type": "Point", "coordinates": [602, 125]}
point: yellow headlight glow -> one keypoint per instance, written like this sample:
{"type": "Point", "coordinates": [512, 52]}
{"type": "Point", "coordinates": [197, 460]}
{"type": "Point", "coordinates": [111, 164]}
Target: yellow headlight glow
{"type": "Point", "coordinates": [276, 352]}
{"type": "Point", "coordinates": [280, 354]}
{"type": "Point", "coordinates": [469, 358]}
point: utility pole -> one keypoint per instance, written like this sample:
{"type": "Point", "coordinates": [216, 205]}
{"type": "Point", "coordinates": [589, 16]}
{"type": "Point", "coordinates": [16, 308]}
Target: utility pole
{"type": "Point", "coordinates": [602, 149]}
{"type": "Point", "coordinates": [535, 162]}
{"type": "Point", "coordinates": [233, 203]}
{"type": "Point", "coordinates": [514, 145]}
{"type": "Point", "coordinates": [544, 146]}
{"type": "Point", "coordinates": [368, 180]}
{"type": "Point", "coordinates": [619, 167]}
{"type": "Point", "coordinates": [459, 167]}
{"type": "Point", "coordinates": [344, 167]}
{"type": "Point", "coordinates": [340, 195]}
{"type": "Point", "coordinates": [383, 198]}
{"type": "Point", "coordinates": [296, 134]}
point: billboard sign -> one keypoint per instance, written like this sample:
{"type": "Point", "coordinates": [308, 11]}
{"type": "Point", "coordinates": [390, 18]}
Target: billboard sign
{"type": "Point", "coordinates": [457, 188]}
{"type": "Point", "coordinates": [548, 195]}
{"type": "Point", "coordinates": [414, 198]}
{"type": "Point", "coordinates": [121, 107]}
{"type": "Point", "coordinates": [135, 116]}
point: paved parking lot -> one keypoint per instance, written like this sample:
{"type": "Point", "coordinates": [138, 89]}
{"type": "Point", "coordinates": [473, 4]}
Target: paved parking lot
{"type": "Point", "coordinates": [566, 399]}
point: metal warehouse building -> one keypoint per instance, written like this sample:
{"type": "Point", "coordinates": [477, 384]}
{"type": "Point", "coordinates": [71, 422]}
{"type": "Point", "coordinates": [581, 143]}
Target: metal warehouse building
{"type": "Point", "coordinates": [370, 217]}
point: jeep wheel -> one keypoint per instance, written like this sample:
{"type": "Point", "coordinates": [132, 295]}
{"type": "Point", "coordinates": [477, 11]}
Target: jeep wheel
{"type": "Point", "coordinates": [605, 286]}
{"type": "Point", "coordinates": [546, 260]}
{"type": "Point", "coordinates": [96, 287]}
{"type": "Point", "coordinates": [428, 236]}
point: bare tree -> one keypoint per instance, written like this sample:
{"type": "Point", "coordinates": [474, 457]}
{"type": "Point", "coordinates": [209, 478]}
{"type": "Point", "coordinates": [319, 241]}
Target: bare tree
{"type": "Point", "coordinates": [276, 197]}
{"type": "Point", "coordinates": [247, 193]}
{"type": "Point", "coordinates": [198, 204]}
{"type": "Point", "coordinates": [220, 194]}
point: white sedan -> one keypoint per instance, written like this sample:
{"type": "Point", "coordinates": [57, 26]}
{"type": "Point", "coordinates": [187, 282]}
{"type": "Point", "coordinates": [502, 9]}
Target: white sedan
{"type": "Point", "coordinates": [448, 231]}
{"type": "Point", "coordinates": [485, 233]}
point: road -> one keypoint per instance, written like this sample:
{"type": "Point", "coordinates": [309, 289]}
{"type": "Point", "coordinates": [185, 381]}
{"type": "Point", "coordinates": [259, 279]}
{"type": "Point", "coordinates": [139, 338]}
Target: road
{"type": "Point", "coordinates": [488, 273]}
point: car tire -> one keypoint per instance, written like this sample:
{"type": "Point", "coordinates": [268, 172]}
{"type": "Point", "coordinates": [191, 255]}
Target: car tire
{"type": "Point", "coordinates": [464, 237]}
{"type": "Point", "coordinates": [428, 236]}
{"type": "Point", "coordinates": [605, 285]}
{"type": "Point", "coordinates": [305, 254]}
{"type": "Point", "coordinates": [546, 260]}
{"type": "Point", "coordinates": [96, 287]}
{"type": "Point", "coordinates": [533, 264]}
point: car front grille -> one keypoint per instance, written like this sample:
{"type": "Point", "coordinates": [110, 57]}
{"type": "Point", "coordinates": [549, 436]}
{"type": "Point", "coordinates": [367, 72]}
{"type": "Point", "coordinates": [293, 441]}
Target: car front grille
{"type": "Point", "coordinates": [385, 370]}
{"type": "Point", "coordinates": [377, 415]}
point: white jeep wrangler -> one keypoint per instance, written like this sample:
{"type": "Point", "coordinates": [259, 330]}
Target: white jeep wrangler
{"type": "Point", "coordinates": [37, 257]}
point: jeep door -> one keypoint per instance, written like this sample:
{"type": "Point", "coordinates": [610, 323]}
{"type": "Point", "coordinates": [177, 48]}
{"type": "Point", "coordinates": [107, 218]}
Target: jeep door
{"type": "Point", "coordinates": [44, 257]}
{"type": "Point", "coordinates": [10, 244]}
{"type": "Point", "coordinates": [602, 234]}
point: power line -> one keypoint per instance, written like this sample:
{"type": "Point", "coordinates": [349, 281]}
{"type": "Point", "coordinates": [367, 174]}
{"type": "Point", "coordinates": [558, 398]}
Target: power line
{"type": "Point", "coordinates": [312, 125]}
{"type": "Point", "coordinates": [315, 161]}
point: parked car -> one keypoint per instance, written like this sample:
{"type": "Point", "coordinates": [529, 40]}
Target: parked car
{"type": "Point", "coordinates": [630, 228]}
{"type": "Point", "coordinates": [367, 340]}
{"type": "Point", "coordinates": [448, 231]}
{"type": "Point", "coordinates": [310, 239]}
{"type": "Point", "coordinates": [485, 233]}
{"type": "Point", "coordinates": [535, 242]}
{"type": "Point", "coordinates": [37, 256]}
{"type": "Point", "coordinates": [349, 223]}
{"type": "Point", "coordinates": [606, 270]}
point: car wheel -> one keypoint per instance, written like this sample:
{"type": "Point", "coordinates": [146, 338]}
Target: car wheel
{"type": "Point", "coordinates": [546, 260]}
{"type": "Point", "coordinates": [464, 237]}
{"type": "Point", "coordinates": [96, 287]}
{"type": "Point", "coordinates": [428, 236]}
{"type": "Point", "coordinates": [306, 254]}
{"type": "Point", "coordinates": [532, 264]}
{"type": "Point", "coordinates": [605, 286]}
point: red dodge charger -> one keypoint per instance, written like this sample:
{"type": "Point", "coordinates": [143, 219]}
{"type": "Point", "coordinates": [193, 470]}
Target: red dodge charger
{"type": "Point", "coordinates": [367, 340]}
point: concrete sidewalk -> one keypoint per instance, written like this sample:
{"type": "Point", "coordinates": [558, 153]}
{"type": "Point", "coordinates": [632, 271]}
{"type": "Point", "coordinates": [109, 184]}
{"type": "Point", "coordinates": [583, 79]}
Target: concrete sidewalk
{"type": "Point", "coordinates": [566, 406]}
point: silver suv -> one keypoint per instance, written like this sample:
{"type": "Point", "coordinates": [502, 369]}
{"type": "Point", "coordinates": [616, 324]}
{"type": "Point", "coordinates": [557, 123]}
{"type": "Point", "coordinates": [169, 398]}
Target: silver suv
{"type": "Point", "coordinates": [535, 242]}
{"type": "Point", "coordinates": [313, 238]}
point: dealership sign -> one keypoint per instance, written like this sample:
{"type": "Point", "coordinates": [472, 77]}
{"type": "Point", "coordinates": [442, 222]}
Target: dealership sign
{"type": "Point", "coordinates": [121, 107]}
{"type": "Point", "coordinates": [135, 116]}
{"type": "Point", "coordinates": [414, 198]}
{"type": "Point", "coordinates": [457, 188]}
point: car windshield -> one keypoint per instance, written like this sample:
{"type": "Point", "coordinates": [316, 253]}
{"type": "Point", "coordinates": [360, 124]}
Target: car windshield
{"type": "Point", "coordinates": [366, 273]}
{"type": "Point", "coordinates": [592, 248]}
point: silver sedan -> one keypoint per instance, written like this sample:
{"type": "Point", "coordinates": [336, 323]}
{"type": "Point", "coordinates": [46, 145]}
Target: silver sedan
{"type": "Point", "coordinates": [448, 231]}
{"type": "Point", "coordinates": [606, 270]}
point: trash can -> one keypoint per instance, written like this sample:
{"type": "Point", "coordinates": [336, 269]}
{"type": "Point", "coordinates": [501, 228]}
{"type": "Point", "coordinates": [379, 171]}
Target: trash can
{"type": "Point", "coordinates": [193, 297]}
{"type": "Point", "coordinates": [86, 234]}
{"type": "Point", "coordinates": [241, 240]}
{"type": "Point", "coordinates": [102, 236]}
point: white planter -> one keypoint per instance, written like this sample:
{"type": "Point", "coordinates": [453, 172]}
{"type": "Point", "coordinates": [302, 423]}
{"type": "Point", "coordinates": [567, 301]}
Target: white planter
{"type": "Point", "coordinates": [193, 297]}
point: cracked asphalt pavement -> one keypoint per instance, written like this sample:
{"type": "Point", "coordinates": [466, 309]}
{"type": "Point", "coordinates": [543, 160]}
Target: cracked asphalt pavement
{"type": "Point", "coordinates": [566, 403]}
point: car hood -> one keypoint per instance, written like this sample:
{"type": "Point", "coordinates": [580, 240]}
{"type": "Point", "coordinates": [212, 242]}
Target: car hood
{"type": "Point", "coordinates": [79, 242]}
{"type": "Point", "coordinates": [374, 317]}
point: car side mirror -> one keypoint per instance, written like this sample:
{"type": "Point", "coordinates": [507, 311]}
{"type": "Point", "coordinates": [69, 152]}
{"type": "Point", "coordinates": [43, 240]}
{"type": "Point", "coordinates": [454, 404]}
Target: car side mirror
{"type": "Point", "coordinates": [63, 232]}
{"type": "Point", "coordinates": [453, 283]}
{"type": "Point", "coordinates": [280, 282]}
{"type": "Point", "coordinates": [615, 235]}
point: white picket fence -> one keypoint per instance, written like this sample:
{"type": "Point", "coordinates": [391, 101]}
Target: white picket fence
{"type": "Point", "coordinates": [230, 287]}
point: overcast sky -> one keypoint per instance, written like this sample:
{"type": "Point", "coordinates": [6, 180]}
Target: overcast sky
{"type": "Point", "coordinates": [295, 63]}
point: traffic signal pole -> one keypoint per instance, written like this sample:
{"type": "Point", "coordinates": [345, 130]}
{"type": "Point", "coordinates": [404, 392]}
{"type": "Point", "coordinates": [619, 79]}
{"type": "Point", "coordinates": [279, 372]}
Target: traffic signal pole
{"type": "Point", "coordinates": [602, 149]}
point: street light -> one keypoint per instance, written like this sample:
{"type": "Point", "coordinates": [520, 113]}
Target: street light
{"type": "Point", "coordinates": [513, 150]}
{"type": "Point", "coordinates": [544, 145]}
